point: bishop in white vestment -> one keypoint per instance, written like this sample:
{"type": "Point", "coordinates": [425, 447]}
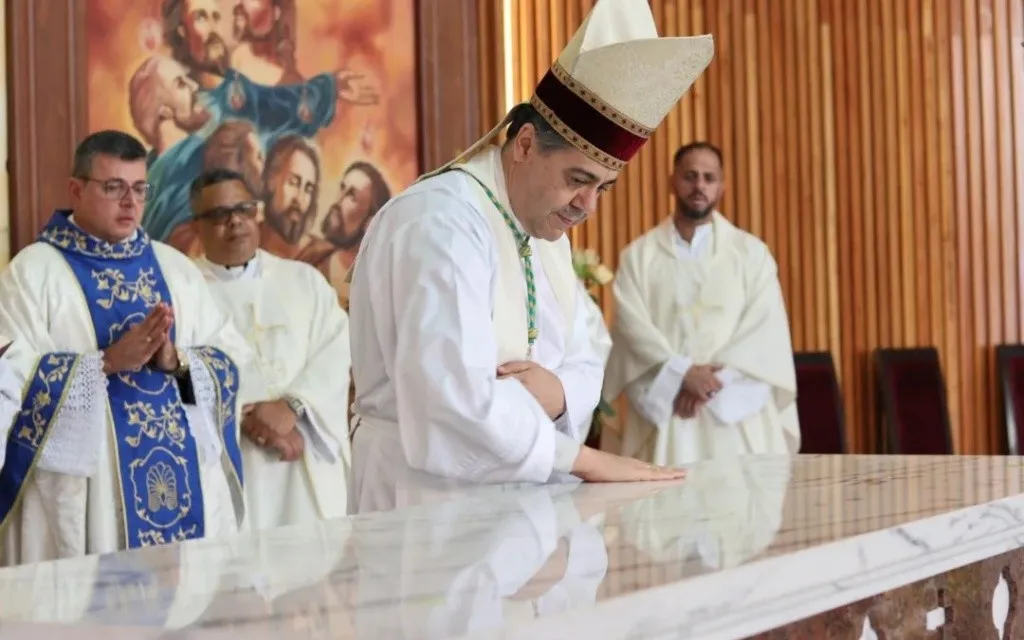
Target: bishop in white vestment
{"type": "Point", "coordinates": [299, 334]}
{"type": "Point", "coordinates": [712, 300]}
{"type": "Point", "coordinates": [471, 353]}
{"type": "Point", "coordinates": [118, 443]}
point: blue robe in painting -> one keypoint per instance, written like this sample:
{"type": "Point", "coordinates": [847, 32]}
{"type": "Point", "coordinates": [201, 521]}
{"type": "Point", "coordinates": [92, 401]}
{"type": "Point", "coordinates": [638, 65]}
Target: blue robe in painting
{"type": "Point", "coordinates": [155, 453]}
{"type": "Point", "coordinates": [301, 109]}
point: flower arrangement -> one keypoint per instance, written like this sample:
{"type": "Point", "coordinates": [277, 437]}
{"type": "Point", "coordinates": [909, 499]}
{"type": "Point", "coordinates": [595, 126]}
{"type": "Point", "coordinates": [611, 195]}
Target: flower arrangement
{"type": "Point", "coordinates": [593, 273]}
{"type": "Point", "coordinates": [589, 269]}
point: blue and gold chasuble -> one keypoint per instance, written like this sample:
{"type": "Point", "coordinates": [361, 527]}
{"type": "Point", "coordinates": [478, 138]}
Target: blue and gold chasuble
{"type": "Point", "coordinates": [156, 454]}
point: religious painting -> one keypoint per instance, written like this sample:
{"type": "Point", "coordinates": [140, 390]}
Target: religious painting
{"type": "Point", "coordinates": [313, 102]}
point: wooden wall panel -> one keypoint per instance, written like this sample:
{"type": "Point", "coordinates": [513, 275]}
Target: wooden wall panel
{"type": "Point", "coordinates": [46, 97]}
{"type": "Point", "coordinates": [46, 108]}
{"type": "Point", "coordinates": [878, 148]}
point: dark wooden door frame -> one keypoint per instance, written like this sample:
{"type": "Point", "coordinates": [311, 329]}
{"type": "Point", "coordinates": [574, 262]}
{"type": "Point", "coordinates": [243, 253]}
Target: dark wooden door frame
{"type": "Point", "coordinates": [47, 96]}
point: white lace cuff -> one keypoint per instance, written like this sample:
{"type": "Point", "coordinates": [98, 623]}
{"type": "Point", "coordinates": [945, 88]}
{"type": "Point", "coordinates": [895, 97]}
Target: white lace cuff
{"type": "Point", "coordinates": [78, 433]}
{"type": "Point", "coordinates": [202, 417]}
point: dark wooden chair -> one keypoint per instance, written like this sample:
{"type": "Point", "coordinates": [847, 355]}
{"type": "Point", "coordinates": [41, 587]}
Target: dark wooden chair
{"type": "Point", "coordinates": [819, 403]}
{"type": "Point", "coordinates": [1010, 368]}
{"type": "Point", "coordinates": [912, 400]}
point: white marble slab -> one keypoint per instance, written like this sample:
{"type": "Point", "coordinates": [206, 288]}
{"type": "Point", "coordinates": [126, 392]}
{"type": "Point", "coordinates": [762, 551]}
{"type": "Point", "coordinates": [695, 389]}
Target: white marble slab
{"type": "Point", "coordinates": [735, 549]}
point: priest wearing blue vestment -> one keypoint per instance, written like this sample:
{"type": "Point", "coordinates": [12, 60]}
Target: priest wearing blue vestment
{"type": "Point", "coordinates": [127, 433]}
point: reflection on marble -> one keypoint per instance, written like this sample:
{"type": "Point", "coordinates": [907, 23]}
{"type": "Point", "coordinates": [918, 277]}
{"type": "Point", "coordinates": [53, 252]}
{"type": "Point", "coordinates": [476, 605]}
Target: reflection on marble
{"type": "Point", "coordinates": [737, 548]}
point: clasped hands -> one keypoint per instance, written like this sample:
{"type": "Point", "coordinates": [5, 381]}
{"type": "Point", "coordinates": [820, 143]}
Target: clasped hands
{"type": "Point", "coordinates": [541, 383]}
{"type": "Point", "coordinates": [699, 386]}
{"type": "Point", "coordinates": [146, 343]}
{"type": "Point", "coordinates": [273, 425]}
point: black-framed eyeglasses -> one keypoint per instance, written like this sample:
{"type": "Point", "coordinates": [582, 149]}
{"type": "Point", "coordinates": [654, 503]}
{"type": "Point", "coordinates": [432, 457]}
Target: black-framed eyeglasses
{"type": "Point", "coordinates": [220, 215]}
{"type": "Point", "coordinates": [117, 189]}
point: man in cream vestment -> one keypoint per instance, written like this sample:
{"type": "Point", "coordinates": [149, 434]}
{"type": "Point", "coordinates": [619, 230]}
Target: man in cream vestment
{"type": "Point", "coordinates": [471, 354]}
{"type": "Point", "coordinates": [701, 340]}
{"type": "Point", "coordinates": [296, 451]}
{"type": "Point", "coordinates": [127, 435]}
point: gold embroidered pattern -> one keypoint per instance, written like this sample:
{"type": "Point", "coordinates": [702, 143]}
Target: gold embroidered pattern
{"type": "Point", "coordinates": [576, 140]}
{"type": "Point", "coordinates": [47, 389]}
{"type": "Point", "coordinates": [53, 371]}
{"type": "Point", "coordinates": [73, 239]}
{"type": "Point", "coordinates": [162, 494]}
{"type": "Point", "coordinates": [161, 426]}
{"type": "Point", "coordinates": [225, 378]}
{"type": "Point", "coordinates": [118, 288]}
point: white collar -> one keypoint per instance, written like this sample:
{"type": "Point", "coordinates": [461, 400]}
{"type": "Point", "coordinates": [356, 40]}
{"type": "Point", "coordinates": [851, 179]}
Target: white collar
{"type": "Point", "coordinates": [248, 271]}
{"type": "Point", "coordinates": [486, 166]}
{"type": "Point", "coordinates": [700, 234]}
{"type": "Point", "coordinates": [135, 234]}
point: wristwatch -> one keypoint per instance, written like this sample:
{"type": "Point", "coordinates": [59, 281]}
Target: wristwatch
{"type": "Point", "coordinates": [296, 405]}
{"type": "Point", "coordinates": [182, 370]}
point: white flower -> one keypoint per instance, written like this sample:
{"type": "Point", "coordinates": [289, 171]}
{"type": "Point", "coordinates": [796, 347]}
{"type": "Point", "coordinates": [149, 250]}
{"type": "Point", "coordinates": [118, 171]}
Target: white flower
{"type": "Point", "coordinates": [602, 274]}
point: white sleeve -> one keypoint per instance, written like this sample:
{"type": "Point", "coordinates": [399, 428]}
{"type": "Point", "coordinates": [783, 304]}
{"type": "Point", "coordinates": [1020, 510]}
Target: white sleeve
{"type": "Point", "coordinates": [324, 445]}
{"type": "Point", "coordinates": [10, 403]}
{"type": "Point", "coordinates": [653, 395]}
{"type": "Point", "coordinates": [456, 418]}
{"type": "Point", "coordinates": [740, 397]}
{"type": "Point", "coordinates": [581, 374]}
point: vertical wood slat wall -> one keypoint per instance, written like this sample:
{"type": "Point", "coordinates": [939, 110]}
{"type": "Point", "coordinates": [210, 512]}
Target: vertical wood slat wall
{"type": "Point", "coordinates": [877, 146]}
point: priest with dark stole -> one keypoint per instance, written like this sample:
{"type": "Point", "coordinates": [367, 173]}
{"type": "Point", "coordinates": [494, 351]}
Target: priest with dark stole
{"type": "Point", "coordinates": [470, 350]}
{"type": "Point", "coordinates": [127, 433]}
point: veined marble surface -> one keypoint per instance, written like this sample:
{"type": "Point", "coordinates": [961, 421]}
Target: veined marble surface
{"type": "Point", "coordinates": [737, 548]}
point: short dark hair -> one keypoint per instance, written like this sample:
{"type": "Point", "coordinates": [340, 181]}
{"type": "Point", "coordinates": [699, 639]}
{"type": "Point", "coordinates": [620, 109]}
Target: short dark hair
{"type": "Point", "coordinates": [212, 177]}
{"type": "Point", "coordinates": [700, 145]}
{"type": "Point", "coordinates": [108, 142]}
{"type": "Point", "coordinates": [525, 113]}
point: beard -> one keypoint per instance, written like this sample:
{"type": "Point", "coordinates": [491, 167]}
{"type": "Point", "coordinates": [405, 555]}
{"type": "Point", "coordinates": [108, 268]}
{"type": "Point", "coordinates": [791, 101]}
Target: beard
{"type": "Point", "coordinates": [334, 231]}
{"type": "Point", "coordinates": [290, 223]}
{"type": "Point", "coordinates": [216, 59]}
{"type": "Point", "coordinates": [692, 213]}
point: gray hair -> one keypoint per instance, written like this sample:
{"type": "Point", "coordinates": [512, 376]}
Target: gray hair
{"type": "Point", "coordinates": [525, 113]}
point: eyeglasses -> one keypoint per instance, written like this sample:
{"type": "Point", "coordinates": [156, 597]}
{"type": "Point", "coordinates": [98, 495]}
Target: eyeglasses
{"type": "Point", "coordinates": [117, 189]}
{"type": "Point", "coordinates": [220, 215]}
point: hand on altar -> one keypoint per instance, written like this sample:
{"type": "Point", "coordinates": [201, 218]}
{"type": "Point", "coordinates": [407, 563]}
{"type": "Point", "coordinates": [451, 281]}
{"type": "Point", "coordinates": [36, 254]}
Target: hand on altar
{"type": "Point", "coordinates": [701, 381]}
{"type": "Point", "coordinates": [139, 345]}
{"type": "Point", "coordinates": [541, 383]}
{"type": "Point", "coordinates": [355, 88]}
{"type": "Point", "coordinates": [594, 465]}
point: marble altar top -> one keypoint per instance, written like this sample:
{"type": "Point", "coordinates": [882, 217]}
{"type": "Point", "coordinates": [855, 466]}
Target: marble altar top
{"type": "Point", "coordinates": [735, 549]}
